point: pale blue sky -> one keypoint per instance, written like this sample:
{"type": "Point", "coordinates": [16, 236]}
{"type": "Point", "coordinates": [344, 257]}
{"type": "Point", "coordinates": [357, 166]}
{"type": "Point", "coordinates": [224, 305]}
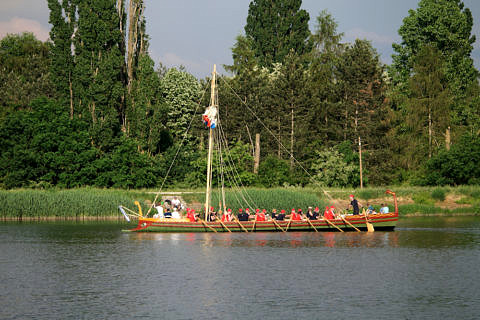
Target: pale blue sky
{"type": "Point", "coordinates": [197, 33]}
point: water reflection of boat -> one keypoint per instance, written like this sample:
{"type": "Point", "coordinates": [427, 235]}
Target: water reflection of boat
{"type": "Point", "coordinates": [211, 118]}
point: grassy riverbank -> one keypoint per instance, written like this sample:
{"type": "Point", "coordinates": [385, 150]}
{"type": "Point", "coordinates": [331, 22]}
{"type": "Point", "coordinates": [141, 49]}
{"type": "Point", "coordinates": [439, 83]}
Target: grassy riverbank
{"type": "Point", "coordinates": [100, 203]}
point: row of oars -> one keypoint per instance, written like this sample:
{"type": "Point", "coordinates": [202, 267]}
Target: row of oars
{"type": "Point", "coordinates": [370, 227]}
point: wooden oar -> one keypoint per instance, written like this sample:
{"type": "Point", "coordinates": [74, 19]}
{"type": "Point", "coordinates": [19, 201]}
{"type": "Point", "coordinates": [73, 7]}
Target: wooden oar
{"type": "Point", "coordinates": [312, 225]}
{"type": "Point", "coordinates": [370, 227]}
{"type": "Point", "coordinates": [347, 222]}
{"type": "Point", "coordinates": [206, 225]}
{"type": "Point", "coordinates": [288, 225]}
{"type": "Point", "coordinates": [223, 224]}
{"type": "Point", "coordinates": [276, 223]}
{"type": "Point", "coordinates": [330, 222]}
{"type": "Point", "coordinates": [254, 223]}
{"type": "Point", "coordinates": [241, 225]}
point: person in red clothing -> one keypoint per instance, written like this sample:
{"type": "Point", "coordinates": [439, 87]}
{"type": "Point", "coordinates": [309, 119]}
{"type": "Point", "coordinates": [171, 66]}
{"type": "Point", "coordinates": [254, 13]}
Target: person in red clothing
{"type": "Point", "coordinates": [260, 216]}
{"type": "Point", "coordinates": [328, 214]}
{"type": "Point", "coordinates": [332, 212]}
{"type": "Point", "coordinates": [295, 216]}
{"type": "Point", "coordinates": [191, 215]}
{"type": "Point", "coordinates": [227, 216]}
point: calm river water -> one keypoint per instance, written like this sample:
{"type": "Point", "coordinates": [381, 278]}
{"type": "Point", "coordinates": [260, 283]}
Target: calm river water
{"type": "Point", "coordinates": [427, 268]}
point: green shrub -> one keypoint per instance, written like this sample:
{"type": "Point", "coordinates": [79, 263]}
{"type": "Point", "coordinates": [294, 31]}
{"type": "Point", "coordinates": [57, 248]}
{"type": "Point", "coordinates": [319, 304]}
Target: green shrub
{"type": "Point", "coordinates": [438, 194]}
{"type": "Point", "coordinates": [423, 198]}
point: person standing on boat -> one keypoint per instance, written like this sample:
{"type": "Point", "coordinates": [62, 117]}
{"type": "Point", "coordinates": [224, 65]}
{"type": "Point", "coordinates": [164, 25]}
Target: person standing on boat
{"type": "Point", "coordinates": [354, 204]}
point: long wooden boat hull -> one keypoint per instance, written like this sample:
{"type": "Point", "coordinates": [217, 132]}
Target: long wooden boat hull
{"type": "Point", "coordinates": [379, 221]}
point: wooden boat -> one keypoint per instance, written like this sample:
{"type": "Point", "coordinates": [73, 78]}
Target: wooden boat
{"type": "Point", "coordinates": [341, 223]}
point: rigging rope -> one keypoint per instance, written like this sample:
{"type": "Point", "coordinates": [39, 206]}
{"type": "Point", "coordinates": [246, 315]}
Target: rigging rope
{"type": "Point", "coordinates": [279, 142]}
{"type": "Point", "coordinates": [178, 150]}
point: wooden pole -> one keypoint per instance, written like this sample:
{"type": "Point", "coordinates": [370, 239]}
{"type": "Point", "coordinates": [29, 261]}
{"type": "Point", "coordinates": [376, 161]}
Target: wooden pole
{"type": "Point", "coordinates": [360, 156]}
{"type": "Point", "coordinates": [254, 223]}
{"type": "Point", "coordinates": [224, 225]}
{"type": "Point", "coordinates": [210, 146]}
{"type": "Point", "coordinates": [257, 153]}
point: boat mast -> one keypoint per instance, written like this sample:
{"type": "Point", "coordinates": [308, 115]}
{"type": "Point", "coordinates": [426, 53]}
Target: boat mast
{"type": "Point", "coordinates": [213, 102]}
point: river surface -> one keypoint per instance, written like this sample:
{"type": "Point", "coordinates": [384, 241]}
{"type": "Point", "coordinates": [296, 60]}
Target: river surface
{"type": "Point", "coordinates": [427, 269]}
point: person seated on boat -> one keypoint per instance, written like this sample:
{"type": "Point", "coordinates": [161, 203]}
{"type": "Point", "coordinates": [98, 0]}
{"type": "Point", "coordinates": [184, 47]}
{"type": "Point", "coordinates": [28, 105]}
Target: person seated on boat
{"type": "Point", "coordinates": [242, 216]}
{"type": "Point", "coordinates": [168, 213]}
{"type": "Point", "coordinates": [176, 203]}
{"type": "Point", "coordinates": [260, 216]}
{"type": "Point", "coordinates": [354, 205]}
{"type": "Point", "coordinates": [227, 216]}
{"type": "Point", "coordinates": [312, 215]}
{"type": "Point", "coordinates": [295, 216]}
{"type": "Point", "coordinates": [317, 212]}
{"type": "Point", "coordinates": [280, 216]}
{"type": "Point", "coordinates": [247, 211]}
{"type": "Point", "coordinates": [370, 209]}
{"type": "Point", "coordinates": [212, 215]}
{"type": "Point", "coordinates": [159, 213]}
{"type": "Point", "coordinates": [332, 211]}
{"type": "Point", "coordinates": [191, 215]}
{"type": "Point", "coordinates": [274, 213]}
{"type": "Point", "coordinates": [384, 209]}
{"type": "Point", "coordinates": [175, 213]}
{"type": "Point", "coordinates": [328, 214]}
{"type": "Point", "coordinates": [300, 213]}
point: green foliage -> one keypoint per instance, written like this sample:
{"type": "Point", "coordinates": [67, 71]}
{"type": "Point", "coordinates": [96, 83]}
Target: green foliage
{"type": "Point", "coordinates": [457, 166]}
{"type": "Point", "coordinates": [273, 172]}
{"type": "Point", "coordinates": [423, 198]}
{"type": "Point", "coordinates": [276, 28]}
{"type": "Point", "coordinates": [438, 194]}
{"type": "Point", "coordinates": [447, 26]}
{"type": "Point", "coordinates": [180, 92]}
{"type": "Point", "coordinates": [331, 170]}
{"type": "Point", "coordinates": [24, 71]}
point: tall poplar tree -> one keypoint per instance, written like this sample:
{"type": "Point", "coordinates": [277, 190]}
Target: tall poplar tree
{"type": "Point", "coordinates": [99, 71]}
{"type": "Point", "coordinates": [63, 21]}
{"type": "Point", "coordinates": [277, 27]}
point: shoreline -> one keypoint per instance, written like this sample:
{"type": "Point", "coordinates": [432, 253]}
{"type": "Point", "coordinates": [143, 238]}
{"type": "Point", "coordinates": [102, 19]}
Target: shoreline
{"type": "Point", "coordinates": [120, 218]}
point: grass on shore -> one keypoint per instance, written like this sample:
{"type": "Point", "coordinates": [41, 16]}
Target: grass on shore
{"type": "Point", "coordinates": [91, 202]}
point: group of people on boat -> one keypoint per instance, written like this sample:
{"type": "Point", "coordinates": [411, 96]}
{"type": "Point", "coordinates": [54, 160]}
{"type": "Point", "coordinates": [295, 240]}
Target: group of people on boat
{"type": "Point", "coordinates": [172, 211]}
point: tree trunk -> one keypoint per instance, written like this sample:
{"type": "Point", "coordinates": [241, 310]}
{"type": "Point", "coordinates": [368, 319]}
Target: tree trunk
{"type": "Point", "coordinates": [429, 132]}
{"type": "Point", "coordinates": [133, 17]}
{"type": "Point", "coordinates": [257, 153]}
{"type": "Point", "coordinates": [447, 139]}
{"type": "Point", "coordinates": [360, 157]}
{"type": "Point", "coordinates": [71, 94]}
{"type": "Point", "coordinates": [291, 141]}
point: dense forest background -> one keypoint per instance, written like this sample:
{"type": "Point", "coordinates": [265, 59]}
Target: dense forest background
{"type": "Point", "coordinates": [88, 107]}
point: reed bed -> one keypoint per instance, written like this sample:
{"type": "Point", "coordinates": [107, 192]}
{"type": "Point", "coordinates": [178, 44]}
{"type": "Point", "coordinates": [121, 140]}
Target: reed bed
{"type": "Point", "coordinates": [91, 203]}
{"type": "Point", "coordinates": [72, 203]}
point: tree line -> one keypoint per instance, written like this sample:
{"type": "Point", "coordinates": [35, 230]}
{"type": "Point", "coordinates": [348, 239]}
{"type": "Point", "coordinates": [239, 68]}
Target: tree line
{"type": "Point", "coordinates": [88, 106]}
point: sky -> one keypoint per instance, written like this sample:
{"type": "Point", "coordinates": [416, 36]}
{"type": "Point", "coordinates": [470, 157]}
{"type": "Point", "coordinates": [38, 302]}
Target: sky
{"type": "Point", "coordinates": [199, 33]}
